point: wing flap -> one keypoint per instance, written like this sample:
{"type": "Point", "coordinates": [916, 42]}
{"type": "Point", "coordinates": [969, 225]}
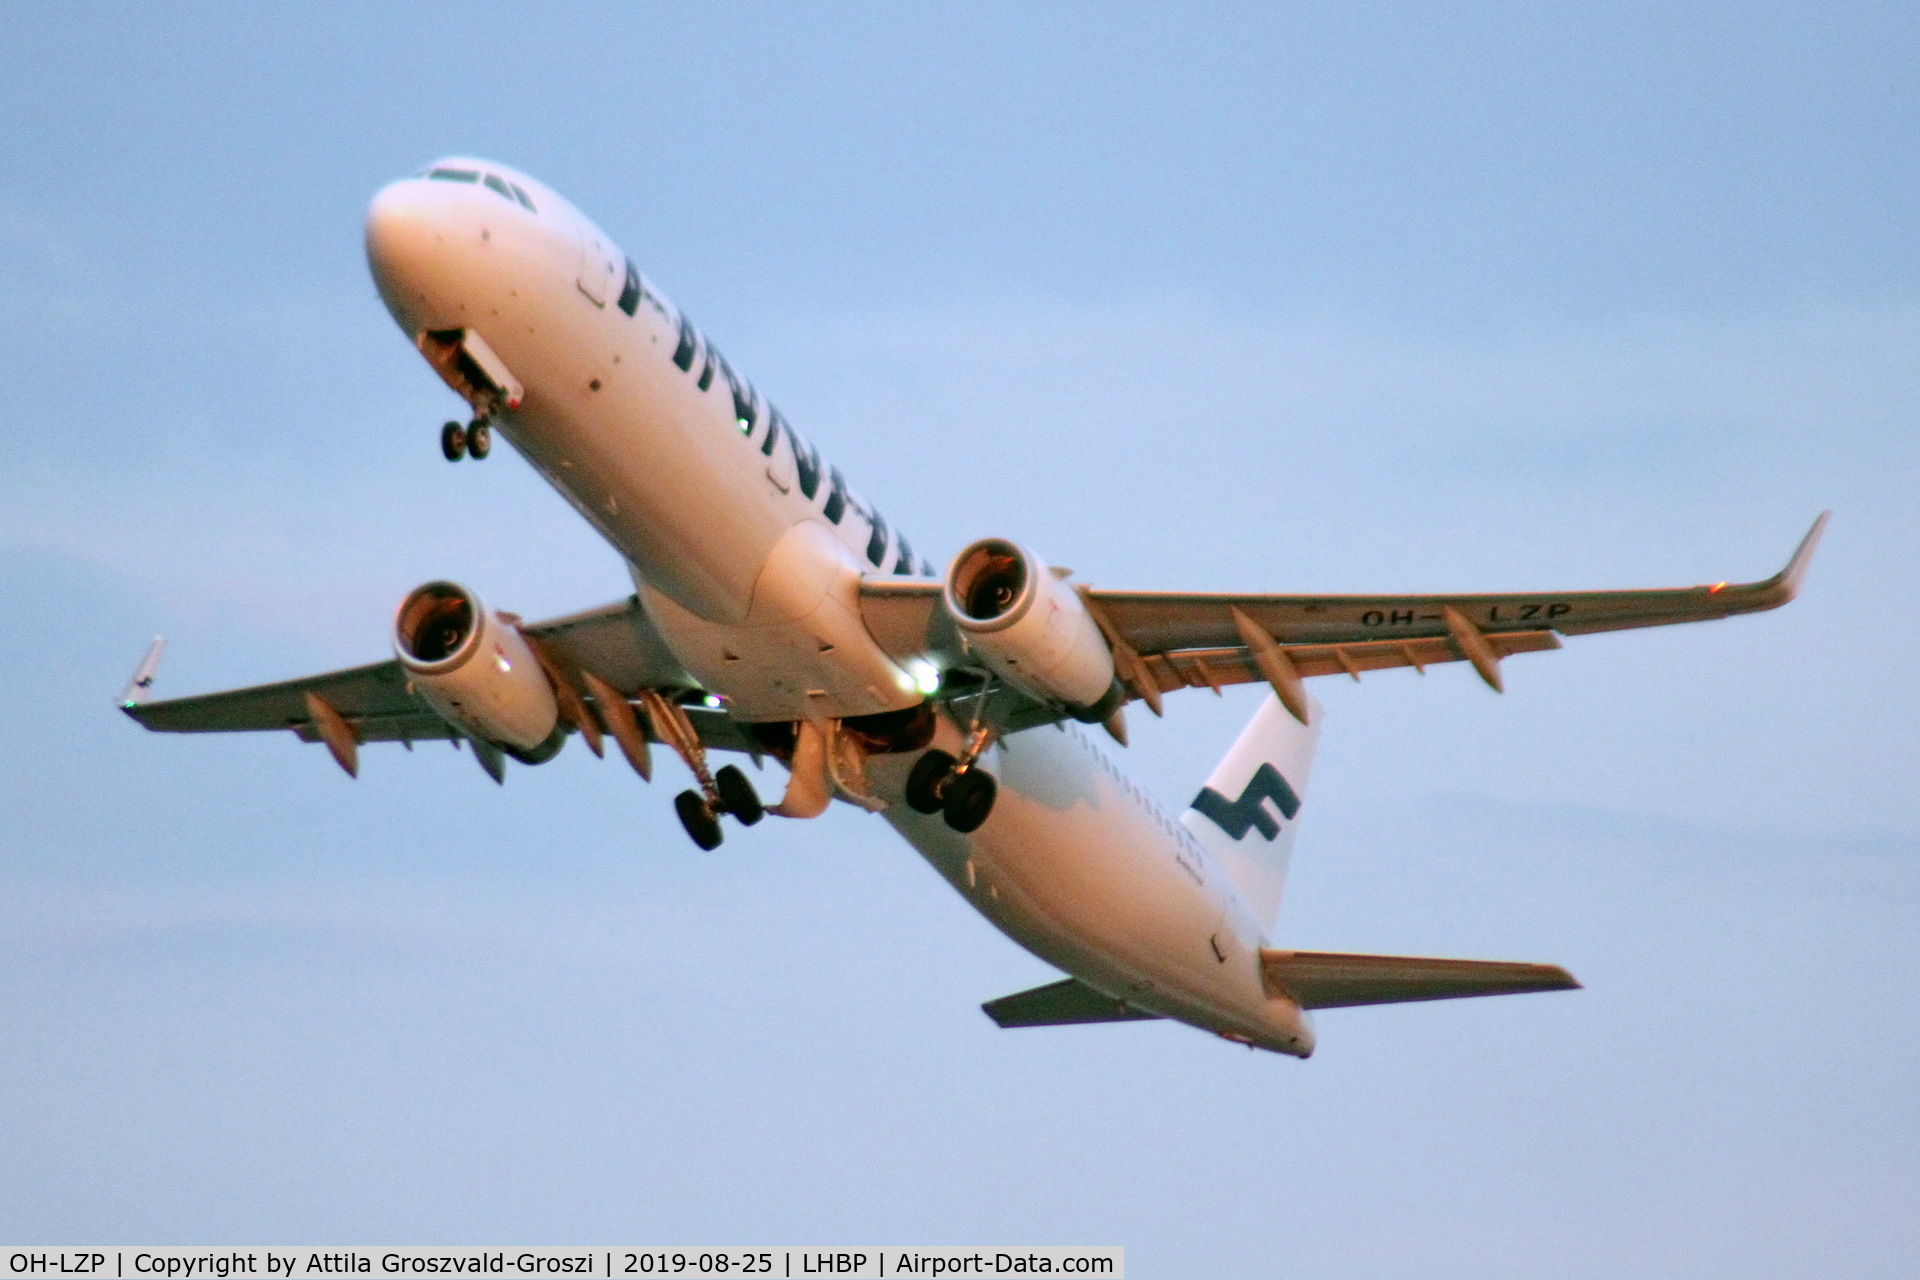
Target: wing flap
{"type": "Point", "coordinates": [414, 726]}
{"type": "Point", "coordinates": [1061, 1004]}
{"type": "Point", "coordinates": [1206, 668]}
{"type": "Point", "coordinates": [1333, 980]}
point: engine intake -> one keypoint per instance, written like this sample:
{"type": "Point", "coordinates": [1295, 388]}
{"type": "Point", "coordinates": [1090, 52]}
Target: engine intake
{"type": "Point", "coordinates": [473, 667]}
{"type": "Point", "coordinates": [1031, 628]}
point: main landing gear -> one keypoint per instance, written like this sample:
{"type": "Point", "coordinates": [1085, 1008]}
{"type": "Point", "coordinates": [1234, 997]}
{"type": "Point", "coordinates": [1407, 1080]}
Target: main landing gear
{"type": "Point", "coordinates": [963, 796]}
{"type": "Point", "coordinates": [732, 793]}
{"type": "Point", "coordinates": [725, 791]}
{"type": "Point", "coordinates": [475, 440]}
{"type": "Point", "coordinates": [959, 790]}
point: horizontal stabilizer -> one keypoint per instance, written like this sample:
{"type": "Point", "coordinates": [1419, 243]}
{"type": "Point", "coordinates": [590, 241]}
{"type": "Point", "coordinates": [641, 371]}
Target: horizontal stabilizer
{"type": "Point", "coordinates": [1329, 980]}
{"type": "Point", "coordinates": [1060, 1004]}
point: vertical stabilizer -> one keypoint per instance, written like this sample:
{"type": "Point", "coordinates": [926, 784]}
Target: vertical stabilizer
{"type": "Point", "coordinates": [1246, 815]}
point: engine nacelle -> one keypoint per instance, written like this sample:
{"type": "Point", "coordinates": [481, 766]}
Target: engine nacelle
{"type": "Point", "coordinates": [475, 669]}
{"type": "Point", "coordinates": [1032, 629]}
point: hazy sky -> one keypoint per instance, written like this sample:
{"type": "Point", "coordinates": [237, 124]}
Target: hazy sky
{"type": "Point", "coordinates": [1342, 297]}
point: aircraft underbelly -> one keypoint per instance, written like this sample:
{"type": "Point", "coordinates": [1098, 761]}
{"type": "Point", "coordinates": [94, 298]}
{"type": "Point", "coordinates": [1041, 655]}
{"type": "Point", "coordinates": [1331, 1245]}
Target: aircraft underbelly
{"type": "Point", "coordinates": [1077, 871]}
{"type": "Point", "coordinates": [651, 485]}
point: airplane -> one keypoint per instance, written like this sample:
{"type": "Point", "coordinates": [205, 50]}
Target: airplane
{"type": "Point", "coordinates": [776, 612]}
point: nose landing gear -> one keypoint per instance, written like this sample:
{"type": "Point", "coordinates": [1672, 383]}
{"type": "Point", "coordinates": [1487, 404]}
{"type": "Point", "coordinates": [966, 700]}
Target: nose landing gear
{"type": "Point", "coordinates": [475, 440]}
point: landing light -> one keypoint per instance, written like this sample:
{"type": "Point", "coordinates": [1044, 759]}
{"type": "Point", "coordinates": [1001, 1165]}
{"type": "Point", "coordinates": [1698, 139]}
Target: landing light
{"type": "Point", "coordinates": [926, 676]}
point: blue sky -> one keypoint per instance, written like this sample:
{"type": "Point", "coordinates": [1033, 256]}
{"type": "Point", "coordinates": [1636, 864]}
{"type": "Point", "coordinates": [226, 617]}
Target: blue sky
{"type": "Point", "coordinates": [1314, 298]}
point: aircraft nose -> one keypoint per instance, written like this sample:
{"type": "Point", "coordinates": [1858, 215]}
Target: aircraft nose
{"type": "Point", "coordinates": [409, 225]}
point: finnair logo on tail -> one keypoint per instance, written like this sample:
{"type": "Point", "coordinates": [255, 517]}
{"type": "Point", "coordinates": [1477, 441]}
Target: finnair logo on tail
{"type": "Point", "coordinates": [1236, 817]}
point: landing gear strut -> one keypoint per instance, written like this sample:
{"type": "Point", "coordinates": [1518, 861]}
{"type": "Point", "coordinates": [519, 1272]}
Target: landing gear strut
{"type": "Point", "coordinates": [475, 440]}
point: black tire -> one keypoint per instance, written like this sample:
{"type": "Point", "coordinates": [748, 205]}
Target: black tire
{"type": "Point", "coordinates": [479, 440]}
{"type": "Point", "coordinates": [701, 822]}
{"type": "Point", "coordinates": [927, 784]}
{"type": "Point", "coordinates": [970, 799]}
{"type": "Point", "coordinates": [453, 441]}
{"type": "Point", "coordinates": [737, 795]}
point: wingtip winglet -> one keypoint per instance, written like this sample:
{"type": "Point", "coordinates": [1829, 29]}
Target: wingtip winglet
{"type": "Point", "coordinates": [1786, 583]}
{"type": "Point", "coordinates": [142, 682]}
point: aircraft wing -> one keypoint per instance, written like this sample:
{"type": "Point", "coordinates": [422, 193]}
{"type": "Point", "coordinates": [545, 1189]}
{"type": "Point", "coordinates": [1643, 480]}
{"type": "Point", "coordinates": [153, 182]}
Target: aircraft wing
{"type": "Point", "coordinates": [1164, 641]}
{"type": "Point", "coordinates": [614, 642]}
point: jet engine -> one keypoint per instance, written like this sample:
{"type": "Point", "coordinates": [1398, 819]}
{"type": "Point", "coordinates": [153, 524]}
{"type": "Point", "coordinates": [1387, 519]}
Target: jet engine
{"type": "Point", "coordinates": [473, 666]}
{"type": "Point", "coordinates": [1032, 629]}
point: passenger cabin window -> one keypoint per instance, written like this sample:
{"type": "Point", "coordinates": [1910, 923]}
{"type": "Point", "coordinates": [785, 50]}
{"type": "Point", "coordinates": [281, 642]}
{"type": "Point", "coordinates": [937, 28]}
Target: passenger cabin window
{"type": "Point", "coordinates": [498, 185]}
{"type": "Point", "coordinates": [689, 339]}
{"type": "Point", "coordinates": [877, 541]}
{"type": "Point", "coordinates": [806, 460]}
{"type": "Point", "coordinates": [746, 407]}
{"type": "Point", "coordinates": [454, 175]}
{"type": "Point", "coordinates": [836, 497]}
{"type": "Point", "coordinates": [521, 196]}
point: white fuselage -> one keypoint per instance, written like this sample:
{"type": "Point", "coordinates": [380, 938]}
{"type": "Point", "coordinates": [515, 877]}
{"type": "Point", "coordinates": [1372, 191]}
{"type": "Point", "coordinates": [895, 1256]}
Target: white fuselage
{"type": "Point", "coordinates": [747, 549]}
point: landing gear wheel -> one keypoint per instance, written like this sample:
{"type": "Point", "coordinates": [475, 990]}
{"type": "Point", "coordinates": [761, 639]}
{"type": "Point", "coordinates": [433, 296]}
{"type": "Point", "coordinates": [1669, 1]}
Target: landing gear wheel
{"type": "Point", "coordinates": [453, 441]}
{"type": "Point", "coordinates": [970, 799]}
{"type": "Point", "coordinates": [927, 784]}
{"type": "Point", "coordinates": [479, 440]}
{"type": "Point", "coordinates": [702, 823]}
{"type": "Point", "coordinates": [737, 795]}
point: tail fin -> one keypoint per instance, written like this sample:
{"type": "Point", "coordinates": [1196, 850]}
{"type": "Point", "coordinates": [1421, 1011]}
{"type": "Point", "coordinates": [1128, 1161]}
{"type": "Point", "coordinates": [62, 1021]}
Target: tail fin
{"type": "Point", "coordinates": [1246, 815]}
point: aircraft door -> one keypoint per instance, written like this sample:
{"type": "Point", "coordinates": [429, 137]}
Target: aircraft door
{"type": "Point", "coordinates": [597, 268]}
{"type": "Point", "coordinates": [780, 462]}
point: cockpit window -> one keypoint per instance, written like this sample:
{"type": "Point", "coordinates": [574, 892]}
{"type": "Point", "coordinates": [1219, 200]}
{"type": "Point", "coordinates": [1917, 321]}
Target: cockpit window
{"type": "Point", "coordinates": [499, 185]}
{"type": "Point", "coordinates": [454, 175]}
{"type": "Point", "coordinates": [521, 196]}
